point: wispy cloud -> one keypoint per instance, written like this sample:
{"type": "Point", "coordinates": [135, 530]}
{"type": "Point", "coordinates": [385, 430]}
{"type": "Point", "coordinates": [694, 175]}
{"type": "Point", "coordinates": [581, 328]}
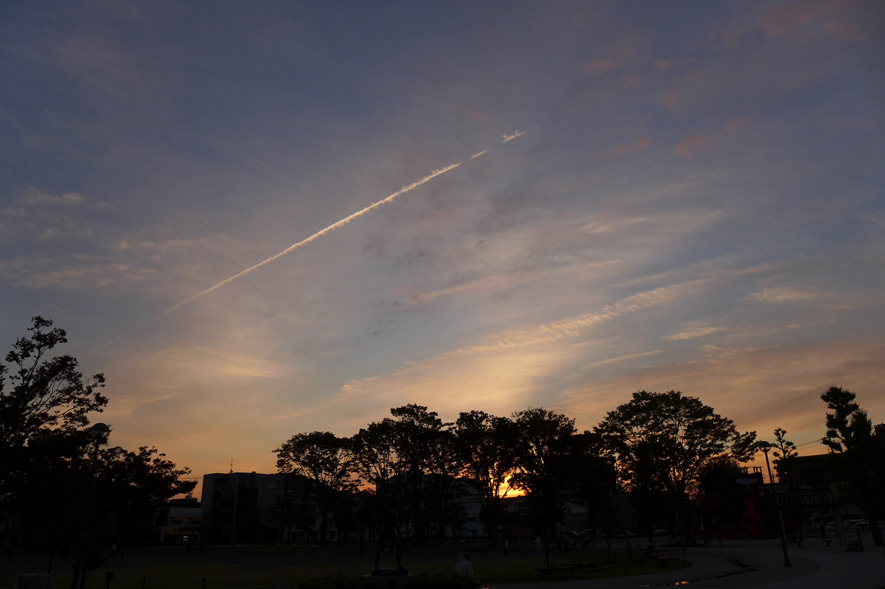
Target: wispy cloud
{"type": "Point", "coordinates": [672, 99]}
{"type": "Point", "coordinates": [695, 331]}
{"type": "Point", "coordinates": [550, 333]}
{"type": "Point", "coordinates": [40, 273]}
{"type": "Point", "coordinates": [687, 146]}
{"type": "Point", "coordinates": [34, 197]}
{"type": "Point", "coordinates": [783, 295]}
{"type": "Point", "coordinates": [622, 150]}
{"type": "Point", "coordinates": [786, 19]}
{"type": "Point", "coordinates": [759, 387]}
{"type": "Point", "coordinates": [599, 66]}
{"type": "Point", "coordinates": [340, 223]}
{"type": "Point", "coordinates": [320, 233]}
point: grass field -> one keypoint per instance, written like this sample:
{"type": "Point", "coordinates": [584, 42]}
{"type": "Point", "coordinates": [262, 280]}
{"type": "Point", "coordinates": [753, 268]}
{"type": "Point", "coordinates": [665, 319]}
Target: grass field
{"type": "Point", "coordinates": [241, 567]}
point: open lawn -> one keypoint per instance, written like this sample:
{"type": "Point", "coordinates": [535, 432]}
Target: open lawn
{"type": "Point", "coordinates": [240, 567]}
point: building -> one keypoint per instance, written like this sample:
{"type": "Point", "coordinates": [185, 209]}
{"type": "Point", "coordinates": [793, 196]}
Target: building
{"type": "Point", "coordinates": [179, 522]}
{"type": "Point", "coordinates": [240, 507]}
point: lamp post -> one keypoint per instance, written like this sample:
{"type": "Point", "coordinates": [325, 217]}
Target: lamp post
{"type": "Point", "coordinates": [766, 448]}
{"type": "Point", "coordinates": [99, 433]}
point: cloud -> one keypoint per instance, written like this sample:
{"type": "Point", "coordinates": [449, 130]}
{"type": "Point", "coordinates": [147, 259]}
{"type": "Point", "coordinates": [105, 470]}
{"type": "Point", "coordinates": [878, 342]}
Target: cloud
{"type": "Point", "coordinates": [695, 331]}
{"type": "Point", "coordinates": [688, 145]}
{"type": "Point", "coordinates": [96, 65]}
{"type": "Point", "coordinates": [672, 99]}
{"type": "Point", "coordinates": [599, 66]}
{"type": "Point", "coordinates": [786, 19]}
{"type": "Point", "coordinates": [692, 143]}
{"type": "Point", "coordinates": [760, 387]}
{"type": "Point", "coordinates": [35, 197]}
{"type": "Point", "coordinates": [547, 334]}
{"type": "Point", "coordinates": [804, 20]}
{"type": "Point", "coordinates": [846, 30]}
{"type": "Point", "coordinates": [782, 295]}
{"type": "Point", "coordinates": [40, 273]}
{"type": "Point", "coordinates": [623, 150]}
{"type": "Point", "coordinates": [331, 227]}
{"type": "Point", "coordinates": [629, 81]}
{"type": "Point", "coordinates": [471, 114]}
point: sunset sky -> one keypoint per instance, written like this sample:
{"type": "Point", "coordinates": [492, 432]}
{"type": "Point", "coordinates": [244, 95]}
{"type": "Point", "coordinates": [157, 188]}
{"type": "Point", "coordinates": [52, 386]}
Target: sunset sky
{"type": "Point", "coordinates": [683, 196]}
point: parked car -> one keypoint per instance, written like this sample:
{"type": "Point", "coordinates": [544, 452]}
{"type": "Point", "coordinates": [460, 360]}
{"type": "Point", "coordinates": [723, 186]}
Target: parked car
{"type": "Point", "coordinates": [858, 524]}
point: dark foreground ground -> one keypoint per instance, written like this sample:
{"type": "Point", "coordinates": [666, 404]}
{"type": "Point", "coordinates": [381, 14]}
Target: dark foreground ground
{"type": "Point", "coordinates": [241, 567]}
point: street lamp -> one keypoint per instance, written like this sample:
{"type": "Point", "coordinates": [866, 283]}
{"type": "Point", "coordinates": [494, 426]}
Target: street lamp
{"type": "Point", "coordinates": [766, 448]}
{"type": "Point", "coordinates": [99, 433]}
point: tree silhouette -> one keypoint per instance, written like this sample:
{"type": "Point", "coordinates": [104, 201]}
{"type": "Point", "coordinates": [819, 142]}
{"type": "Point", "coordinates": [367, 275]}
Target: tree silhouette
{"type": "Point", "coordinates": [784, 450]}
{"type": "Point", "coordinates": [488, 446]}
{"type": "Point", "coordinates": [45, 397]}
{"type": "Point", "coordinates": [860, 454]}
{"type": "Point", "coordinates": [326, 461]}
{"type": "Point", "coordinates": [662, 441]}
{"type": "Point", "coordinates": [593, 478]}
{"type": "Point", "coordinates": [543, 449]}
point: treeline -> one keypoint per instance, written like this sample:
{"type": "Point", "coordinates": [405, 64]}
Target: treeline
{"type": "Point", "coordinates": [657, 445]}
{"type": "Point", "coordinates": [668, 450]}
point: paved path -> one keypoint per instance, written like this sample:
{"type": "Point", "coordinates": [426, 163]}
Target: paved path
{"type": "Point", "coordinates": [815, 566]}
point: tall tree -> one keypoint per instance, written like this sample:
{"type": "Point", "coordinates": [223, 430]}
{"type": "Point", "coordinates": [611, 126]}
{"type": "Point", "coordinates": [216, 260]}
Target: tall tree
{"type": "Point", "coordinates": [784, 450]}
{"type": "Point", "coordinates": [442, 468]}
{"type": "Point", "coordinates": [396, 454]}
{"type": "Point", "coordinates": [663, 441]}
{"type": "Point", "coordinates": [327, 462]}
{"type": "Point", "coordinates": [44, 396]}
{"type": "Point", "coordinates": [593, 479]}
{"type": "Point", "coordinates": [859, 454]}
{"type": "Point", "coordinates": [134, 485]}
{"type": "Point", "coordinates": [543, 451]}
{"type": "Point", "coordinates": [419, 433]}
{"type": "Point", "coordinates": [487, 448]}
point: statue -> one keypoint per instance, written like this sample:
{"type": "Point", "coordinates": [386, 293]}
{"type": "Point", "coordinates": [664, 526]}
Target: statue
{"type": "Point", "coordinates": [389, 535]}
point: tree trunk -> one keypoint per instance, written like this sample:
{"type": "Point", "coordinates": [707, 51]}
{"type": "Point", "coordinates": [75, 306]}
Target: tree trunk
{"type": "Point", "coordinates": [491, 519]}
{"type": "Point", "coordinates": [688, 533]}
{"type": "Point", "coordinates": [873, 518]}
{"type": "Point", "coordinates": [324, 526]}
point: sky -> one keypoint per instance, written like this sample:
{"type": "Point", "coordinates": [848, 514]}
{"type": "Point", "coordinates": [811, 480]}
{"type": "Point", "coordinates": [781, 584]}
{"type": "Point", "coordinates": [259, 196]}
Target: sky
{"type": "Point", "coordinates": [575, 201]}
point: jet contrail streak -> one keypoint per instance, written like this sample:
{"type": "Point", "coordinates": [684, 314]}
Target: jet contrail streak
{"type": "Point", "coordinates": [319, 234]}
{"type": "Point", "coordinates": [316, 235]}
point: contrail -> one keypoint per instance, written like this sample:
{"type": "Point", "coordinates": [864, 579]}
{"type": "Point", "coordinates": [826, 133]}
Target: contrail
{"type": "Point", "coordinates": [319, 234]}
{"type": "Point", "coordinates": [316, 235]}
